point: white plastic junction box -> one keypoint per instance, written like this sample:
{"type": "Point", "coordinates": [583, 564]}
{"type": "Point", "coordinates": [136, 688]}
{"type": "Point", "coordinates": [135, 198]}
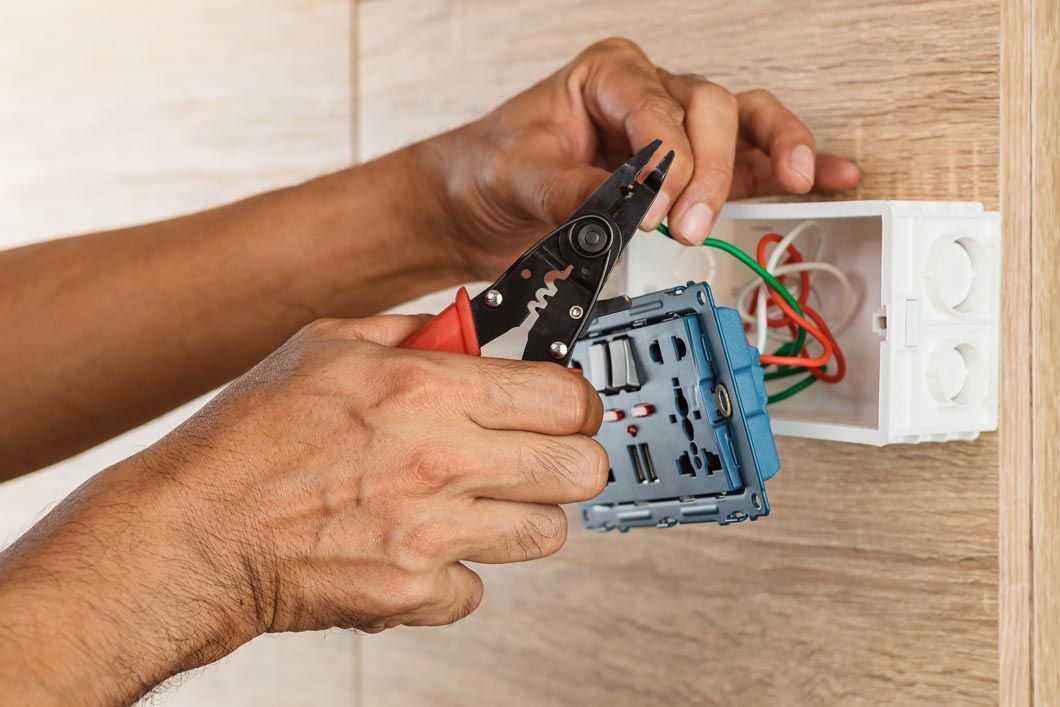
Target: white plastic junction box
{"type": "Point", "coordinates": [922, 345]}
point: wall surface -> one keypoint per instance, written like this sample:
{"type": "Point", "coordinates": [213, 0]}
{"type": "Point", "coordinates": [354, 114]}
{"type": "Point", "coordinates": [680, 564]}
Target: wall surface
{"type": "Point", "coordinates": [883, 575]}
{"type": "Point", "coordinates": [875, 581]}
{"type": "Point", "coordinates": [117, 112]}
{"type": "Point", "coordinates": [1046, 339]}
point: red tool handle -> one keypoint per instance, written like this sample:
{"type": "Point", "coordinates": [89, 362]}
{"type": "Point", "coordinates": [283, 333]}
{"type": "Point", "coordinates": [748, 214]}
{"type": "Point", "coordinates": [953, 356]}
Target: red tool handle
{"type": "Point", "coordinates": [453, 330]}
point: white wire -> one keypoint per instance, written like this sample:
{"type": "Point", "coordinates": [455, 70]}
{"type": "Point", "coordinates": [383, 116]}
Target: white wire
{"type": "Point", "coordinates": [842, 317]}
{"type": "Point", "coordinates": [771, 267]}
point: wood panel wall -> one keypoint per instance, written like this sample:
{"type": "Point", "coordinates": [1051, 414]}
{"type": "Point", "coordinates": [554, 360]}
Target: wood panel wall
{"type": "Point", "coordinates": [876, 579]}
{"type": "Point", "coordinates": [1045, 158]}
{"type": "Point", "coordinates": [117, 112]}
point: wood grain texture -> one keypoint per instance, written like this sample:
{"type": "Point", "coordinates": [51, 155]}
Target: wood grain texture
{"type": "Point", "coordinates": [1015, 581]}
{"type": "Point", "coordinates": [116, 112]}
{"type": "Point", "coordinates": [876, 579]}
{"type": "Point", "coordinates": [1046, 341]}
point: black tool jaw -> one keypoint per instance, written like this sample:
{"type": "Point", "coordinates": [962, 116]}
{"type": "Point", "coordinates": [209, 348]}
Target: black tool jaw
{"type": "Point", "coordinates": [552, 289]}
{"type": "Point", "coordinates": [557, 277]}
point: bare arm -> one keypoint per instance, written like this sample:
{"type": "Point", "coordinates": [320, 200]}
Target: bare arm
{"type": "Point", "coordinates": [105, 331]}
{"type": "Point", "coordinates": [339, 482]}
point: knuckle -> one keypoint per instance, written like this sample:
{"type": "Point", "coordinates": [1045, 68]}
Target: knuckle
{"type": "Point", "coordinates": [542, 533]}
{"type": "Point", "coordinates": [319, 329]}
{"type": "Point", "coordinates": [616, 45]}
{"type": "Point", "coordinates": [659, 105]}
{"type": "Point", "coordinates": [411, 384]}
{"type": "Point", "coordinates": [417, 592]}
{"type": "Point", "coordinates": [548, 463]}
{"type": "Point", "coordinates": [572, 404]}
{"type": "Point", "coordinates": [415, 551]}
{"type": "Point", "coordinates": [706, 92]}
{"type": "Point", "coordinates": [711, 176]}
{"type": "Point", "coordinates": [427, 541]}
{"type": "Point", "coordinates": [433, 467]}
{"type": "Point", "coordinates": [466, 605]}
{"type": "Point", "coordinates": [759, 96]}
{"type": "Point", "coordinates": [498, 378]}
{"type": "Point", "coordinates": [597, 467]}
{"type": "Point", "coordinates": [580, 464]}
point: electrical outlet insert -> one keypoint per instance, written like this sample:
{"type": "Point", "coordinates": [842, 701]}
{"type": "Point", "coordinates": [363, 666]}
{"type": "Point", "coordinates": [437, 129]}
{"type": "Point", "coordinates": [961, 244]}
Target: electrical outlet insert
{"type": "Point", "coordinates": [685, 426]}
{"type": "Point", "coordinates": [922, 342]}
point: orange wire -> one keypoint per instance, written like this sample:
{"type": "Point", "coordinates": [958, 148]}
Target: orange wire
{"type": "Point", "coordinates": [794, 256]}
{"type": "Point", "coordinates": [840, 360]}
{"type": "Point", "coordinates": [826, 341]}
{"type": "Point", "coordinates": [813, 331]}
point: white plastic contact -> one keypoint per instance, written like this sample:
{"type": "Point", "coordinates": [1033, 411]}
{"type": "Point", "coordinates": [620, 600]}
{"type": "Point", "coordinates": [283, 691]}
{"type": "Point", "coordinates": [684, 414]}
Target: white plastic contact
{"type": "Point", "coordinates": [922, 341]}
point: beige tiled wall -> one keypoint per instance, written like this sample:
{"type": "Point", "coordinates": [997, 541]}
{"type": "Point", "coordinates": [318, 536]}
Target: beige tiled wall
{"type": "Point", "coordinates": [116, 112]}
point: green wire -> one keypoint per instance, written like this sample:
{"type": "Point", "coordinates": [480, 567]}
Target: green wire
{"type": "Point", "coordinates": [788, 348]}
{"type": "Point", "coordinates": [793, 390]}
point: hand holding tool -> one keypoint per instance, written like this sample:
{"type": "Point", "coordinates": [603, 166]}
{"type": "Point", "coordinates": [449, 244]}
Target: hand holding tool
{"type": "Point", "coordinates": [547, 297]}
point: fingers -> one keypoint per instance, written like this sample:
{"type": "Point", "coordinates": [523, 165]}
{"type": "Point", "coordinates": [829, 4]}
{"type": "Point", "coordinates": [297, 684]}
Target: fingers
{"type": "Point", "coordinates": [754, 175]}
{"type": "Point", "coordinates": [775, 130]}
{"type": "Point", "coordinates": [385, 329]}
{"type": "Point", "coordinates": [457, 593]}
{"type": "Point", "coordinates": [503, 531]}
{"type": "Point", "coordinates": [625, 96]}
{"type": "Point", "coordinates": [703, 123]}
{"type": "Point", "coordinates": [712, 124]}
{"type": "Point", "coordinates": [533, 468]}
{"type": "Point", "coordinates": [835, 174]}
{"type": "Point", "coordinates": [499, 394]}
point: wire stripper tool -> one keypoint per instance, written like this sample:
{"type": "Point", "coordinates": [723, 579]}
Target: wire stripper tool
{"type": "Point", "coordinates": [698, 445]}
{"type": "Point", "coordinates": [549, 295]}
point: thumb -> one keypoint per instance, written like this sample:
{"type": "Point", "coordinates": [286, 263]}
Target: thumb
{"type": "Point", "coordinates": [549, 189]}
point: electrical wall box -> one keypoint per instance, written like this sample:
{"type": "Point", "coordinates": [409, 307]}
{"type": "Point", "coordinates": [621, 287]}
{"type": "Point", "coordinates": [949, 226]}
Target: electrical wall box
{"type": "Point", "coordinates": [922, 344]}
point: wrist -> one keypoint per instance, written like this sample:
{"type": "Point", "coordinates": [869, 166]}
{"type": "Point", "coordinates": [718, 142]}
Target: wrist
{"type": "Point", "coordinates": [106, 597]}
{"type": "Point", "coordinates": [380, 236]}
{"type": "Point", "coordinates": [445, 180]}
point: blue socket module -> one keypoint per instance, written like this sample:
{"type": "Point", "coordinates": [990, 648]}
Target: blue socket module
{"type": "Point", "coordinates": [685, 422]}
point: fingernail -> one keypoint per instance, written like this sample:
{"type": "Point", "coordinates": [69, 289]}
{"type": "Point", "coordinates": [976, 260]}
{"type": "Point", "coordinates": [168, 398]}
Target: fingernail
{"type": "Point", "coordinates": [694, 224]}
{"type": "Point", "coordinates": [801, 161]}
{"type": "Point", "coordinates": [658, 209]}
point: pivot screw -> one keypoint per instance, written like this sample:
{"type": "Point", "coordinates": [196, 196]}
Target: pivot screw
{"type": "Point", "coordinates": [557, 350]}
{"type": "Point", "coordinates": [493, 299]}
{"type": "Point", "coordinates": [591, 239]}
{"type": "Point", "coordinates": [576, 312]}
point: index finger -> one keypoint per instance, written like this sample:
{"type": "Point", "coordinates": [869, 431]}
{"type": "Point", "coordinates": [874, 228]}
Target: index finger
{"type": "Point", "coordinates": [624, 95]}
{"type": "Point", "coordinates": [532, 396]}
{"type": "Point", "coordinates": [713, 126]}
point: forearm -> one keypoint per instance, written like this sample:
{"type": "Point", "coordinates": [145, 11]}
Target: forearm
{"type": "Point", "coordinates": [107, 596]}
{"type": "Point", "coordinates": [105, 331]}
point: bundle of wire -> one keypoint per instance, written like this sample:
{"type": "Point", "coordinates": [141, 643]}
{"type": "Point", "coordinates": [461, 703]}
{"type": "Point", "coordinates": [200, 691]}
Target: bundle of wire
{"type": "Point", "coordinates": [796, 317]}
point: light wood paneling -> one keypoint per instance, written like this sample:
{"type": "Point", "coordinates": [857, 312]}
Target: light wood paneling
{"type": "Point", "coordinates": [1015, 585]}
{"type": "Point", "coordinates": [116, 112]}
{"type": "Point", "coordinates": [876, 579]}
{"type": "Point", "coordinates": [1045, 342]}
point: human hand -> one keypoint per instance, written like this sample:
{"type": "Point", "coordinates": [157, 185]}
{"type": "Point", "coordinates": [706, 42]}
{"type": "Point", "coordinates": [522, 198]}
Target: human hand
{"type": "Point", "coordinates": [508, 177]}
{"type": "Point", "coordinates": [342, 483]}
